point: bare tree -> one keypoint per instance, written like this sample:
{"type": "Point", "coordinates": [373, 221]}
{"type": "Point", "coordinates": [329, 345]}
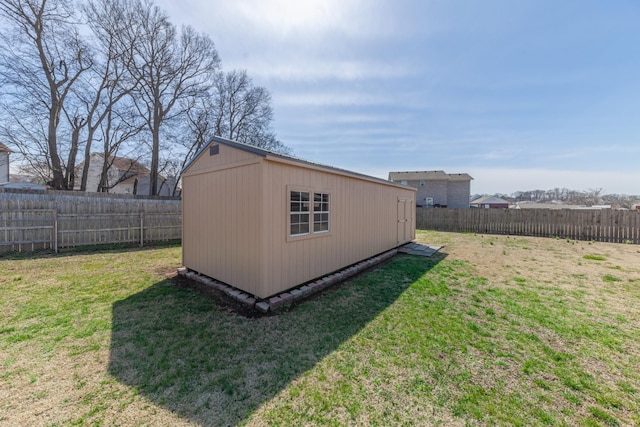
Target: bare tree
{"type": "Point", "coordinates": [119, 125]}
{"type": "Point", "coordinates": [593, 195]}
{"type": "Point", "coordinates": [243, 111]}
{"type": "Point", "coordinates": [4, 162]}
{"type": "Point", "coordinates": [234, 109]}
{"type": "Point", "coordinates": [109, 82]}
{"type": "Point", "coordinates": [77, 123]}
{"type": "Point", "coordinates": [170, 66]}
{"type": "Point", "coordinates": [45, 56]}
{"type": "Point", "coordinates": [61, 96]}
{"type": "Point", "coordinates": [200, 119]}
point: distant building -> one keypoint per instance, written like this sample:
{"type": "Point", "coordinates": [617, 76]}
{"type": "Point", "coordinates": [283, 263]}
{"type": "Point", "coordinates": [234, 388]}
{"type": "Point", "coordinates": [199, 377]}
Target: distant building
{"type": "Point", "coordinates": [125, 176]}
{"type": "Point", "coordinates": [25, 178]}
{"type": "Point", "coordinates": [490, 202]}
{"type": "Point", "coordinates": [4, 163]}
{"type": "Point", "coordinates": [437, 188]}
{"type": "Point", "coordinates": [556, 206]}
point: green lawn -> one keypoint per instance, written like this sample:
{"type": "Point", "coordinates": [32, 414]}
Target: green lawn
{"type": "Point", "coordinates": [108, 339]}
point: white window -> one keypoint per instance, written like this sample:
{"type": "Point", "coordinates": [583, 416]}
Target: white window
{"type": "Point", "coordinates": [299, 213]}
{"type": "Point", "coordinates": [309, 213]}
{"type": "Point", "coordinates": [320, 212]}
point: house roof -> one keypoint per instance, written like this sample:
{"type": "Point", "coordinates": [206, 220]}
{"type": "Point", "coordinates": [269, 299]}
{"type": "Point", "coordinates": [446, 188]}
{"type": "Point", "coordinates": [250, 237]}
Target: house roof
{"type": "Point", "coordinates": [4, 148]}
{"type": "Point", "coordinates": [460, 177]}
{"type": "Point", "coordinates": [428, 176]}
{"type": "Point", "coordinates": [557, 206]}
{"type": "Point", "coordinates": [126, 165]}
{"type": "Point", "coordinates": [25, 178]}
{"type": "Point", "coordinates": [271, 155]}
{"type": "Point", "coordinates": [131, 167]}
{"type": "Point", "coordinates": [489, 200]}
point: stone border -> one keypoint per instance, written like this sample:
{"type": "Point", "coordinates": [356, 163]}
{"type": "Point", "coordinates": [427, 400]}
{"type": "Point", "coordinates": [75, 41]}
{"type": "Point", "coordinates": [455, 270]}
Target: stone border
{"type": "Point", "coordinates": [287, 298]}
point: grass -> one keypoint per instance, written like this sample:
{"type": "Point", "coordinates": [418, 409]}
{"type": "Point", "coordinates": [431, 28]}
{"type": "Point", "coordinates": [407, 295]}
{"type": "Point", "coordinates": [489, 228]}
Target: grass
{"type": "Point", "coordinates": [494, 330]}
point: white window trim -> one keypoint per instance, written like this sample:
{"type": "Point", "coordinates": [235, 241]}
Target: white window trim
{"type": "Point", "coordinates": [311, 234]}
{"type": "Point", "coordinates": [308, 212]}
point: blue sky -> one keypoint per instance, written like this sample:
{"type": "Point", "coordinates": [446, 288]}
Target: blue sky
{"type": "Point", "coordinates": [520, 94]}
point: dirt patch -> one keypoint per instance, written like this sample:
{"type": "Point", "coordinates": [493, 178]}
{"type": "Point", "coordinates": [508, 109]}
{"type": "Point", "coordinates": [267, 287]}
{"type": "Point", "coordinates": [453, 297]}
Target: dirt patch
{"type": "Point", "coordinates": [501, 257]}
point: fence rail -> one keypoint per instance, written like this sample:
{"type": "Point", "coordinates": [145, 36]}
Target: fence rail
{"type": "Point", "coordinates": [599, 225]}
{"type": "Point", "coordinates": [50, 221]}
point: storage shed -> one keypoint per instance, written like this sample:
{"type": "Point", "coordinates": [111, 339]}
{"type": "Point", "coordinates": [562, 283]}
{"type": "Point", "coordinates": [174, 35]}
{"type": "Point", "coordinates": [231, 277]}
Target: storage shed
{"type": "Point", "coordinates": [265, 222]}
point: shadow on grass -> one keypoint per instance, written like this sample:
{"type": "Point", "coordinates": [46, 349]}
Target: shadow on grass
{"type": "Point", "coordinates": [88, 249]}
{"type": "Point", "coordinates": [190, 355]}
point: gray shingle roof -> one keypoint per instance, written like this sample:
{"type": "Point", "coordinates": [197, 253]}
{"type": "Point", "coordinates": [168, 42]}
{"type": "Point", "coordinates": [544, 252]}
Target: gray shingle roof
{"type": "Point", "coordinates": [489, 200]}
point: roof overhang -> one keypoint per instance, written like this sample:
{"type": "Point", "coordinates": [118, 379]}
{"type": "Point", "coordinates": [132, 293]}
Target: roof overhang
{"type": "Point", "coordinates": [290, 160]}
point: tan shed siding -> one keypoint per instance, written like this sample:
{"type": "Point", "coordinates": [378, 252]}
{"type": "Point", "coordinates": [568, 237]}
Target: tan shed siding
{"type": "Point", "coordinates": [221, 224]}
{"type": "Point", "coordinates": [227, 156]}
{"type": "Point", "coordinates": [363, 222]}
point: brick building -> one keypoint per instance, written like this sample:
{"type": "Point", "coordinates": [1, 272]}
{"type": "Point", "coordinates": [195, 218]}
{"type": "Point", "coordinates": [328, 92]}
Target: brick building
{"type": "Point", "coordinates": [437, 188]}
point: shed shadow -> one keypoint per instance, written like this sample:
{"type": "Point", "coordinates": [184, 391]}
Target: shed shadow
{"type": "Point", "coordinates": [186, 353]}
{"type": "Point", "coordinates": [105, 248]}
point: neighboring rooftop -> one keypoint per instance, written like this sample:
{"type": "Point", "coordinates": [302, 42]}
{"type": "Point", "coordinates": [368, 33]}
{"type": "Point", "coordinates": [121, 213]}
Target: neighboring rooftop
{"type": "Point", "coordinates": [438, 175]}
{"type": "Point", "coordinates": [4, 148]}
{"type": "Point", "coordinates": [25, 178]}
{"type": "Point", "coordinates": [130, 165]}
{"type": "Point", "coordinates": [489, 200]}
{"type": "Point", "coordinates": [123, 164]}
{"type": "Point", "coordinates": [536, 205]}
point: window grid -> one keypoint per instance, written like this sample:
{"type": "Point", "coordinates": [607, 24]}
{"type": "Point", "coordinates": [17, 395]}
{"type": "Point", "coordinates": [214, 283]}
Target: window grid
{"type": "Point", "coordinates": [303, 209]}
{"type": "Point", "coordinates": [299, 216]}
{"type": "Point", "coordinates": [320, 212]}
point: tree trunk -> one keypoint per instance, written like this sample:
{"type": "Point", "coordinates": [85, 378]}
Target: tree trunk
{"type": "Point", "coordinates": [103, 185]}
{"type": "Point", "coordinates": [56, 167]}
{"type": "Point", "coordinates": [73, 153]}
{"type": "Point", "coordinates": [87, 160]}
{"type": "Point", "coordinates": [155, 150]}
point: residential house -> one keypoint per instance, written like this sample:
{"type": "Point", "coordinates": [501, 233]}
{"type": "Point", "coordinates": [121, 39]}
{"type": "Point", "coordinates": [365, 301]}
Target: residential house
{"type": "Point", "coordinates": [437, 188]}
{"type": "Point", "coordinates": [4, 163]}
{"type": "Point", "coordinates": [490, 202]}
{"type": "Point", "coordinates": [125, 176]}
{"type": "Point", "coordinates": [265, 222]}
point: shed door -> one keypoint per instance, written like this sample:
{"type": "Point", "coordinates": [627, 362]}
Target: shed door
{"type": "Point", "coordinates": [405, 220]}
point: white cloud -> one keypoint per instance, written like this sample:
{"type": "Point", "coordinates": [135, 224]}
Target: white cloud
{"type": "Point", "coordinates": [311, 67]}
{"type": "Point", "coordinates": [489, 90]}
{"type": "Point", "coordinates": [285, 18]}
{"type": "Point", "coordinates": [302, 99]}
{"type": "Point", "coordinates": [297, 40]}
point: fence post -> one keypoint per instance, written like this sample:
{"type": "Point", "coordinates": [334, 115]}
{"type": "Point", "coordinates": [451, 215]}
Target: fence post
{"type": "Point", "coordinates": [55, 230]}
{"type": "Point", "coordinates": [141, 228]}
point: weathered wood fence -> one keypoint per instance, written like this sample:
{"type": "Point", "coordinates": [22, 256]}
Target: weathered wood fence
{"type": "Point", "coordinates": [600, 225]}
{"type": "Point", "coordinates": [31, 221]}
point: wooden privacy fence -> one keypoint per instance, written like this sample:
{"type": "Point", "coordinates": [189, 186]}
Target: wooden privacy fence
{"type": "Point", "coordinates": [600, 225]}
{"type": "Point", "coordinates": [50, 221]}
